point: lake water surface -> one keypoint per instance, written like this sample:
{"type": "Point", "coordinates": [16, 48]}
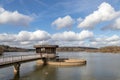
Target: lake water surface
{"type": "Point", "coordinates": [100, 66]}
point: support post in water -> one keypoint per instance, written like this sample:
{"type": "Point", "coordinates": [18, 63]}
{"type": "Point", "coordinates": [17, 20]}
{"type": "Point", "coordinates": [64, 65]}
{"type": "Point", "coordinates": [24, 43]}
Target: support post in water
{"type": "Point", "coordinates": [44, 59]}
{"type": "Point", "coordinates": [16, 68]}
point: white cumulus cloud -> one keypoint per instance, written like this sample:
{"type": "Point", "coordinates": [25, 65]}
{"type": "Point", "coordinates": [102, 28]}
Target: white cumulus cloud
{"type": "Point", "coordinates": [24, 36]}
{"type": "Point", "coordinates": [28, 39]}
{"type": "Point", "coordinates": [40, 35]}
{"type": "Point", "coordinates": [7, 37]}
{"type": "Point", "coordinates": [37, 35]}
{"type": "Point", "coordinates": [105, 12]}
{"type": "Point", "coordinates": [113, 40]}
{"type": "Point", "coordinates": [14, 18]}
{"type": "Point", "coordinates": [72, 36]}
{"type": "Point", "coordinates": [66, 21]}
{"type": "Point", "coordinates": [113, 26]}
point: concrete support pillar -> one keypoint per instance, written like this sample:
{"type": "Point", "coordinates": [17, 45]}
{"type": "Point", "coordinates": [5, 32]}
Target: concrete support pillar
{"type": "Point", "coordinates": [16, 76]}
{"type": "Point", "coordinates": [44, 60]}
{"type": "Point", "coordinates": [16, 68]}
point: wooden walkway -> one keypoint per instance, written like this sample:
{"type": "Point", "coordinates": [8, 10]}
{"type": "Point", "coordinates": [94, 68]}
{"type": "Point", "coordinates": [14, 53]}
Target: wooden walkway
{"type": "Point", "coordinates": [10, 60]}
{"type": "Point", "coordinates": [16, 61]}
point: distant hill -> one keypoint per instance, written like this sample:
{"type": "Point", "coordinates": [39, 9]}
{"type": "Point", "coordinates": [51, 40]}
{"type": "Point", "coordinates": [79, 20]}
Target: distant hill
{"type": "Point", "coordinates": [107, 49]}
{"type": "Point", "coordinates": [111, 49]}
{"type": "Point", "coordinates": [76, 49]}
{"type": "Point", "coordinates": [7, 48]}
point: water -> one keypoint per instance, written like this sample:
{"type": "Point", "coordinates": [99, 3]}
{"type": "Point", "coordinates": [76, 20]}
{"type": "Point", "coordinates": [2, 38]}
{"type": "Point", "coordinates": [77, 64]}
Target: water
{"type": "Point", "coordinates": [100, 66]}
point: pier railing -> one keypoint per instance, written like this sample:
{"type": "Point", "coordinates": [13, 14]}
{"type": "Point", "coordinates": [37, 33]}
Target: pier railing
{"type": "Point", "coordinates": [12, 59]}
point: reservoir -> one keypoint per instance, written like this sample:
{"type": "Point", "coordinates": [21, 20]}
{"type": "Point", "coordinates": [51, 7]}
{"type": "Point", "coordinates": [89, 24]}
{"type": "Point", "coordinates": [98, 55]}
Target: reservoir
{"type": "Point", "coordinates": [100, 66]}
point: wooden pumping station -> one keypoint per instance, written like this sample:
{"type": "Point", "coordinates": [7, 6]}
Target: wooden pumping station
{"type": "Point", "coordinates": [45, 54]}
{"type": "Point", "coordinates": [49, 56]}
{"type": "Point", "coordinates": [48, 51]}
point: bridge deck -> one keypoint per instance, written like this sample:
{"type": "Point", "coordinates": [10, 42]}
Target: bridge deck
{"type": "Point", "coordinates": [10, 60]}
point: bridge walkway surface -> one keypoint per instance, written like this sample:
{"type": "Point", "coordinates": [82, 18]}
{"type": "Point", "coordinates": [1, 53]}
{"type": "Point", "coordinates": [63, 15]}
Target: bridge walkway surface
{"type": "Point", "coordinates": [10, 60]}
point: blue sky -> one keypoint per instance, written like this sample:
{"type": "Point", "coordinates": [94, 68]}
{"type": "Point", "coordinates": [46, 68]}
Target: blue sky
{"type": "Point", "coordinates": [90, 23]}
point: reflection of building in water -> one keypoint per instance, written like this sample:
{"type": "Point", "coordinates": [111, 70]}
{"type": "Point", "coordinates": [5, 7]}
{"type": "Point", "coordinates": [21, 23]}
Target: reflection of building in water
{"type": "Point", "coordinates": [42, 73]}
{"type": "Point", "coordinates": [46, 50]}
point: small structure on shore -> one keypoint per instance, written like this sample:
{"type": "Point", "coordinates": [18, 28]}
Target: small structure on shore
{"type": "Point", "coordinates": [48, 54]}
{"type": "Point", "coordinates": [48, 51]}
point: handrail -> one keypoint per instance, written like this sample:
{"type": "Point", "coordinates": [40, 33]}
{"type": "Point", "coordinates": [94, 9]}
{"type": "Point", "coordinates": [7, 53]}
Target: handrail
{"type": "Point", "coordinates": [11, 59]}
{"type": "Point", "coordinates": [18, 55]}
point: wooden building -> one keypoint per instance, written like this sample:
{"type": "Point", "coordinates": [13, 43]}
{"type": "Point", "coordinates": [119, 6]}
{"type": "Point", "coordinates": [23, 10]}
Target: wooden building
{"type": "Point", "coordinates": [46, 50]}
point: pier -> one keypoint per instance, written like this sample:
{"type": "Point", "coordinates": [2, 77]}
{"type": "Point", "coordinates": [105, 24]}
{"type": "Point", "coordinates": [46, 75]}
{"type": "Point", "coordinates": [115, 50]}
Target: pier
{"type": "Point", "coordinates": [43, 53]}
{"type": "Point", "coordinates": [16, 61]}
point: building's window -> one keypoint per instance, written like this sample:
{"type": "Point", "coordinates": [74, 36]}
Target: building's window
{"type": "Point", "coordinates": [42, 49]}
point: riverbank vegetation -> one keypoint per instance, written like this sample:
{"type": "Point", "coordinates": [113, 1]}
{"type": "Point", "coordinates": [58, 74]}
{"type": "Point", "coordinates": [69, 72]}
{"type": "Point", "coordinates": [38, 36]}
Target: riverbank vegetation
{"type": "Point", "coordinates": [75, 49]}
{"type": "Point", "coordinates": [107, 49]}
{"type": "Point", "coordinates": [111, 49]}
{"type": "Point", "coordinates": [6, 48]}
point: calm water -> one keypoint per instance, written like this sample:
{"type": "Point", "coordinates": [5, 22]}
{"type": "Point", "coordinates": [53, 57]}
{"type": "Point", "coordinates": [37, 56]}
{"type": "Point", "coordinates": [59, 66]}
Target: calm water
{"type": "Point", "coordinates": [100, 66]}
